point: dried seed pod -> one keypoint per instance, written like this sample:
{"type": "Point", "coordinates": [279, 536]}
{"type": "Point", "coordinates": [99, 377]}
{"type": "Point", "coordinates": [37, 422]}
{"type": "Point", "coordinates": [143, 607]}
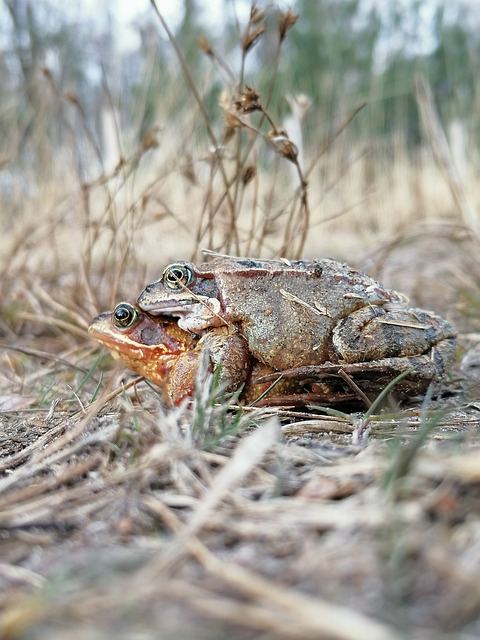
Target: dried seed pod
{"type": "Point", "coordinates": [205, 46]}
{"type": "Point", "coordinates": [150, 139]}
{"type": "Point", "coordinates": [188, 171]}
{"type": "Point", "coordinates": [256, 14]}
{"type": "Point", "coordinates": [287, 20]}
{"type": "Point", "coordinates": [284, 145]}
{"type": "Point", "coordinates": [249, 101]}
{"type": "Point", "coordinates": [232, 121]}
{"type": "Point", "coordinates": [250, 38]}
{"type": "Point", "coordinates": [248, 174]}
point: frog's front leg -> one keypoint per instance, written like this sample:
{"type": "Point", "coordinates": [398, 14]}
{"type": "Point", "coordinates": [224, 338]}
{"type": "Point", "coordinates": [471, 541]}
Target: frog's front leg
{"type": "Point", "coordinates": [229, 350]}
{"type": "Point", "coordinates": [180, 382]}
{"type": "Point", "coordinates": [379, 333]}
{"type": "Point", "coordinates": [225, 348]}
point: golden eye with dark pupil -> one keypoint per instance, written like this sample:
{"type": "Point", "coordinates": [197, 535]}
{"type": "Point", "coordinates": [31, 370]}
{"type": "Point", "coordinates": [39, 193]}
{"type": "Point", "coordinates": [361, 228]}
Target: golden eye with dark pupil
{"type": "Point", "coordinates": [177, 276]}
{"type": "Point", "coordinates": [124, 315]}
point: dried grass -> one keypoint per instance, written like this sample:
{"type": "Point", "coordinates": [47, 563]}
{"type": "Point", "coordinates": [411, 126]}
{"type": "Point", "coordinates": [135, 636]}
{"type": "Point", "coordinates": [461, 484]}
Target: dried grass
{"type": "Point", "coordinates": [119, 520]}
{"type": "Point", "coordinates": [259, 536]}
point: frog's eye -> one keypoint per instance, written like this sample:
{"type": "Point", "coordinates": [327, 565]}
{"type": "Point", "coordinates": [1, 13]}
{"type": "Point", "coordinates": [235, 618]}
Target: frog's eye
{"type": "Point", "coordinates": [125, 316]}
{"type": "Point", "coordinates": [177, 276]}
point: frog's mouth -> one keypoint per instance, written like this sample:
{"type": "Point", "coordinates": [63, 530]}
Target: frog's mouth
{"type": "Point", "coordinates": [200, 307]}
{"type": "Point", "coordinates": [194, 317]}
{"type": "Point", "coordinates": [179, 309]}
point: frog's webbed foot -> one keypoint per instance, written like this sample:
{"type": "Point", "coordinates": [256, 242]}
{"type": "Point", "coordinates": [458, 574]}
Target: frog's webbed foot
{"type": "Point", "coordinates": [217, 348]}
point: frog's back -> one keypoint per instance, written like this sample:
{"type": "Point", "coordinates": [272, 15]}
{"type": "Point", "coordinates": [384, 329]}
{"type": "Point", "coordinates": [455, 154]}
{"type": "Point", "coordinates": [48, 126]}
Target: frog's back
{"type": "Point", "coordinates": [288, 310]}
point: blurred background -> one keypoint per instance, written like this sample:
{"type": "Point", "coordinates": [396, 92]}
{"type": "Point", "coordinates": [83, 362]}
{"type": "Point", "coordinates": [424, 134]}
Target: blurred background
{"type": "Point", "coordinates": [107, 165]}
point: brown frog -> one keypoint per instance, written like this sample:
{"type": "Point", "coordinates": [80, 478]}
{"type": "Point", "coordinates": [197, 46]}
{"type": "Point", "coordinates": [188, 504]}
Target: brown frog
{"type": "Point", "coordinates": [319, 314]}
{"type": "Point", "coordinates": [165, 354]}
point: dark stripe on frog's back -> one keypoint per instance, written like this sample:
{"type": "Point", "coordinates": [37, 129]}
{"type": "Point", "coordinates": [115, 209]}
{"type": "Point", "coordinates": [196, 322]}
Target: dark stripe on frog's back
{"type": "Point", "coordinates": [246, 267]}
{"type": "Point", "coordinates": [205, 286]}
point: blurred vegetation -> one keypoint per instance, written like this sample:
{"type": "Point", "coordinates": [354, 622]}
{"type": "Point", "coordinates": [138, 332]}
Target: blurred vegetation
{"type": "Point", "coordinates": [60, 68]}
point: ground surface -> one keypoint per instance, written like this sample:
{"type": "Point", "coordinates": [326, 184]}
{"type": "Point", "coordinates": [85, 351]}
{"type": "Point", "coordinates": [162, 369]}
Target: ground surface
{"type": "Point", "coordinates": [122, 521]}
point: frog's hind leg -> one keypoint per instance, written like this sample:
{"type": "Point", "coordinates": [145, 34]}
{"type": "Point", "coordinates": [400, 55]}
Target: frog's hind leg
{"type": "Point", "coordinates": [372, 377]}
{"type": "Point", "coordinates": [298, 400]}
{"type": "Point", "coordinates": [272, 389]}
{"type": "Point", "coordinates": [378, 333]}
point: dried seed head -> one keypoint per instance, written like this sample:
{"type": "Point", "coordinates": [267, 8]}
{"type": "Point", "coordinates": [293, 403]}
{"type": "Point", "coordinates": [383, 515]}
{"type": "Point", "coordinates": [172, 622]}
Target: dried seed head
{"type": "Point", "coordinates": [256, 14]}
{"type": "Point", "coordinates": [150, 139]}
{"type": "Point", "coordinates": [47, 73]}
{"type": "Point", "coordinates": [232, 123]}
{"type": "Point", "coordinates": [71, 96]}
{"type": "Point", "coordinates": [248, 174]}
{"type": "Point", "coordinates": [206, 47]}
{"type": "Point", "coordinates": [250, 37]}
{"type": "Point", "coordinates": [248, 101]}
{"type": "Point", "coordinates": [228, 134]}
{"type": "Point", "coordinates": [145, 201]}
{"type": "Point", "coordinates": [287, 20]}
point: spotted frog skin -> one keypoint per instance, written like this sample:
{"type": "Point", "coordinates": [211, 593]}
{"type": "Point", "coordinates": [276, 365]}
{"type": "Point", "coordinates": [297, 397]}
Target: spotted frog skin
{"type": "Point", "coordinates": [170, 357]}
{"type": "Point", "coordinates": [320, 314]}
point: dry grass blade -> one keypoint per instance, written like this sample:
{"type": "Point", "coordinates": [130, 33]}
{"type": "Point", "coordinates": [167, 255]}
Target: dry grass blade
{"type": "Point", "coordinates": [441, 150]}
{"type": "Point", "coordinates": [244, 460]}
{"type": "Point", "coordinates": [314, 616]}
{"type": "Point", "coordinates": [21, 575]}
{"type": "Point", "coordinates": [248, 454]}
{"type": "Point", "coordinates": [277, 608]}
{"type": "Point", "coordinates": [324, 517]}
{"type": "Point", "coordinates": [31, 491]}
{"type": "Point", "coordinates": [241, 614]}
{"type": "Point", "coordinates": [60, 450]}
{"type": "Point", "coordinates": [47, 444]}
{"type": "Point", "coordinates": [44, 355]}
{"type": "Point", "coordinates": [340, 129]}
{"type": "Point", "coordinates": [211, 133]}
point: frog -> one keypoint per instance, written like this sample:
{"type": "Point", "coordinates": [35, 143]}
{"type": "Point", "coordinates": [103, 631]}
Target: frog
{"type": "Point", "coordinates": [320, 316]}
{"type": "Point", "coordinates": [151, 349]}
{"type": "Point", "coordinates": [162, 352]}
